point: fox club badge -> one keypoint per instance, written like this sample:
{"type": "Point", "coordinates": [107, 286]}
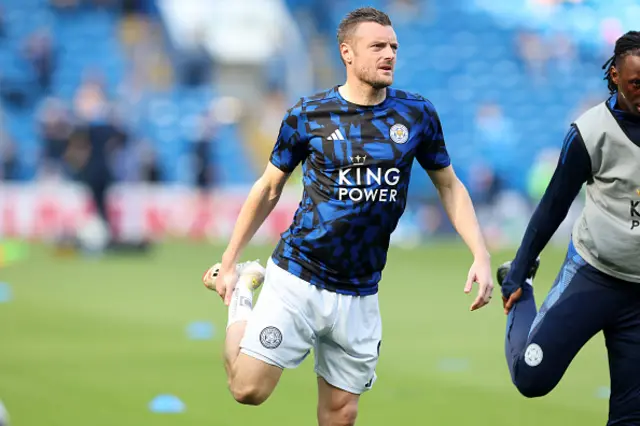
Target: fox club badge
{"type": "Point", "coordinates": [399, 133]}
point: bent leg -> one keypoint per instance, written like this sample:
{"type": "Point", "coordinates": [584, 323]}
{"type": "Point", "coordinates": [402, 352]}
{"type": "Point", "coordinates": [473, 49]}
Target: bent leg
{"type": "Point", "coordinates": [252, 380]}
{"type": "Point", "coordinates": [275, 336]}
{"type": "Point", "coordinates": [539, 348]}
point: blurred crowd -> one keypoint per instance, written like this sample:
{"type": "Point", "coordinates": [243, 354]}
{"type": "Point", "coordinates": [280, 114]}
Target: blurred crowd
{"type": "Point", "coordinates": [89, 136]}
{"type": "Point", "coordinates": [103, 128]}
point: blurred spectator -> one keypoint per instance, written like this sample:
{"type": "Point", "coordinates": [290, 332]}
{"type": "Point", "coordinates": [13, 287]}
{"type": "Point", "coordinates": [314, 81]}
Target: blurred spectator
{"type": "Point", "coordinates": [484, 184]}
{"type": "Point", "coordinates": [90, 103]}
{"type": "Point", "coordinates": [148, 166]}
{"type": "Point", "coordinates": [485, 188]}
{"type": "Point", "coordinates": [8, 154]}
{"type": "Point", "coordinates": [202, 152]}
{"type": "Point", "coordinates": [55, 127]}
{"type": "Point", "coordinates": [40, 53]}
{"type": "Point", "coordinates": [196, 63]}
{"type": "Point", "coordinates": [9, 166]}
{"type": "Point", "coordinates": [94, 143]}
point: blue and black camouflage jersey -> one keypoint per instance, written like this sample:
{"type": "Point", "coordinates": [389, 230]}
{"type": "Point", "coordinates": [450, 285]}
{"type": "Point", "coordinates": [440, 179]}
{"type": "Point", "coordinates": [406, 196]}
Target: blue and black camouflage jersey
{"type": "Point", "coordinates": [356, 163]}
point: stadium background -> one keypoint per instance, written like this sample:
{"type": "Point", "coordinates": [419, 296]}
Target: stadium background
{"type": "Point", "coordinates": [171, 108]}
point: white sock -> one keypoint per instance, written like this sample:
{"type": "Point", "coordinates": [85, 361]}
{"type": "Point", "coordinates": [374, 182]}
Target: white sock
{"type": "Point", "coordinates": [241, 304]}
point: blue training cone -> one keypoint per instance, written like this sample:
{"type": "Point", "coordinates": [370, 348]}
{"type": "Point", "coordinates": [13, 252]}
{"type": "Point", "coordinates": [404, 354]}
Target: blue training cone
{"type": "Point", "coordinates": [200, 330]}
{"type": "Point", "coordinates": [5, 293]}
{"type": "Point", "coordinates": [603, 392]}
{"type": "Point", "coordinates": [166, 404]}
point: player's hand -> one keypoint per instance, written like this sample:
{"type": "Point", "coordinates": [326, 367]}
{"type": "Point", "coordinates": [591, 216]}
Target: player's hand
{"type": "Point", "coordinates": [226, 281]}
{"type": "Point", "coordinates": [507, 302]}
{"type": "Point", "coordinates": [480, 273]}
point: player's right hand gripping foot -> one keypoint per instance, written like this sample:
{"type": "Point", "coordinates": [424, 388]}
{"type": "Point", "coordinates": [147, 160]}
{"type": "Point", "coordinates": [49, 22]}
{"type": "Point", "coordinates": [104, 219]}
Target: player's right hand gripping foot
{"type": "Point", "coordinates": [511, 294]}
{"type": "Point", "coordinates": [250, 274]}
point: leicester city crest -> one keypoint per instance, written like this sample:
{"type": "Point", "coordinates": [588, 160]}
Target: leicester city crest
{"type": "Point", "coordinates": [271, 337]}
{"type": "Point", "coordinates": [399, 133]}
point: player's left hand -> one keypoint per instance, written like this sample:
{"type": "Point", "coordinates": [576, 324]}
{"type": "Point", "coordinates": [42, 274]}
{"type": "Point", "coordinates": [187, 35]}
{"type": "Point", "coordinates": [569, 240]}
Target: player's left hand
{"type": "Point", "coordinates": [480, 273]}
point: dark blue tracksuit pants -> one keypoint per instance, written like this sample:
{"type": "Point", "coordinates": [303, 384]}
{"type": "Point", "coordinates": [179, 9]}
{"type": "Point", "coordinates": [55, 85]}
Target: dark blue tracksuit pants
{"type": "Point", "coordinates": [582, 302]}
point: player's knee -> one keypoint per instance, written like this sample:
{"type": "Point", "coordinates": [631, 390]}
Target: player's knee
{"type": "Point", "coordinates": [249, 393]}
{"type": "Point", "coordinates": [348, 415]}
{"type": "Point", "coordinates": [344, 417]}
{"type": "Point", "coordinates": [533, 385]}
{"type": "Point", "coordinates": [344, 414]}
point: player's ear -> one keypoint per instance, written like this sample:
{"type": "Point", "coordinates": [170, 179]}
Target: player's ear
{"type": "Point", "coordinates": [346, 53]}
{"type": "Point", "coordinates": [615, 77]}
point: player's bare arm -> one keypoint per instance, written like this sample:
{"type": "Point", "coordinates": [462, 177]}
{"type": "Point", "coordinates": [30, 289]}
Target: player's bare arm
{"type": "Point", "coordinates": [459, 207]}
{"type": "Point", "coordinates": [262, 198]}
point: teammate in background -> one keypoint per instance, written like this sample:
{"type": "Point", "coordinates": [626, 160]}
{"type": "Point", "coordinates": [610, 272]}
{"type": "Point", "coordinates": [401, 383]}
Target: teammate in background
{"type": "Point", "coordinates": [356, 143]}
{"type": "Point", "coordinates": [597, 288]}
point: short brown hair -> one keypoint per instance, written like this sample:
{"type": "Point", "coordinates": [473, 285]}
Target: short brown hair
{"type": "Point", "coordinates": [364, 14]}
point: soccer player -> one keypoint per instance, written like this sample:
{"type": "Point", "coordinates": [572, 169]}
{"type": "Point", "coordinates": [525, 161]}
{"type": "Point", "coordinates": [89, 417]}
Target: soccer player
{"type": "Point", "coordinates": [597, 287]}
{"type": "Point", "coordinates": [356, 143]}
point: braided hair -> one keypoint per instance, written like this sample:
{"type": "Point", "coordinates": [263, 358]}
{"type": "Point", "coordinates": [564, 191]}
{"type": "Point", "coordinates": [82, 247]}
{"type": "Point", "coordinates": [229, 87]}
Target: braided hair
{"type": "Point", "coordinates": [628, 44]}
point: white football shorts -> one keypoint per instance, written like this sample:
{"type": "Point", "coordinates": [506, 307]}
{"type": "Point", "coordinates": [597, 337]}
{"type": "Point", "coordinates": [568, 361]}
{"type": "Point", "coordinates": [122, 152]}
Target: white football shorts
{"type": "Point", "coordinates": [292, 316]}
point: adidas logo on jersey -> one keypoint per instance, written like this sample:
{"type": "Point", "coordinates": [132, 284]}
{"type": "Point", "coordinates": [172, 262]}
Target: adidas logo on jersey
{"type": "Point", "coordinates": [336, 136]}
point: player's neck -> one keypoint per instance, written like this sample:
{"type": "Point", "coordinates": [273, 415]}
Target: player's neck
{"type": "Point", "coordinates": [362, 94]}
{"type": "Point", "coordinates": [621, 105]}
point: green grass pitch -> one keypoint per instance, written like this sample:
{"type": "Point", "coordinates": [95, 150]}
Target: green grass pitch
{"type": "Point", "coordinates": [91, 342]}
